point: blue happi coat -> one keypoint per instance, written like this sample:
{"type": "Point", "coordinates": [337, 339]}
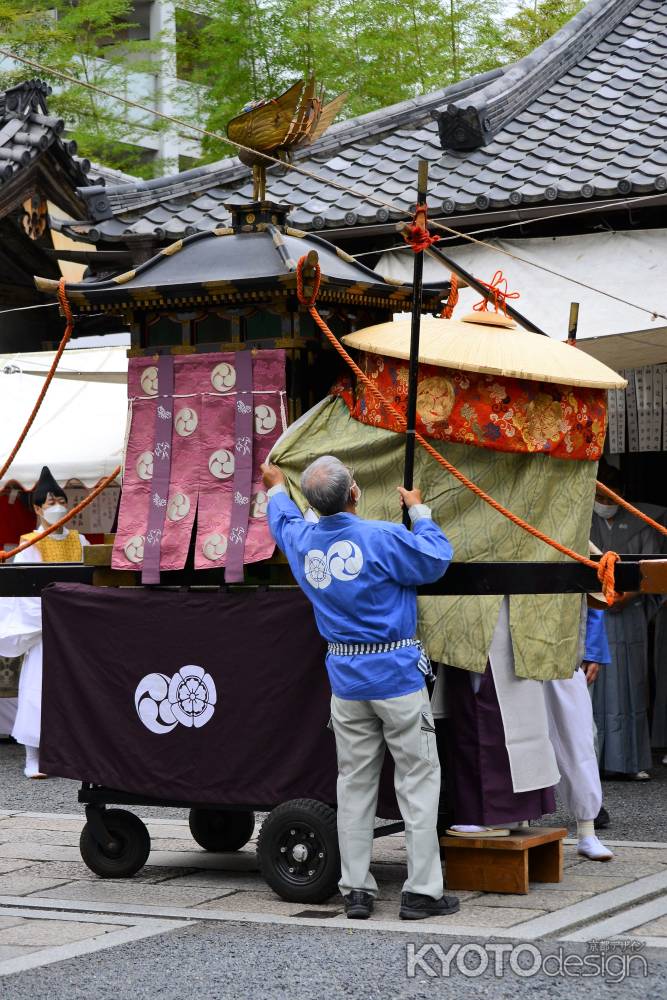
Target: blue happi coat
{"type": "Point", "coordinates": [361, 577]}
{"type": "Point", "coordinates": [597, 647]}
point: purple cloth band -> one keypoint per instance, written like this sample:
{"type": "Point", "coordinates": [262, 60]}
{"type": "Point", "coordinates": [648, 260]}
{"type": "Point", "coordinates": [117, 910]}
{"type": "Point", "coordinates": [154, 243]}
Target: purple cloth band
{"type": "Point", "coordinates": [242, 487]}
{"type": "Point", "coordinates": [159, 494]}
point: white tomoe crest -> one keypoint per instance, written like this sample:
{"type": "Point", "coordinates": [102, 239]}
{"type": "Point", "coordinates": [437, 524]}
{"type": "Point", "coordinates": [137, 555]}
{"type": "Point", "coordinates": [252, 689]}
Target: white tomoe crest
{"type": "Point", "coordinates": [149, 380]}
{"type": "Point", "coordinates": [265, 419]}
{"type": "Point", "coordinates": [134, 549]}
{"type": "Point", "coordinates": [144, 465]}
{"type": "Point", "coordinates": [343, 561]}
{"type": "Point", "coordinates": [223, 377]}
{"type": "Point", "coordinates": [221, 464]}
{"type": "Point", "coordinates": [178, 507]}
{"type": "Point", "coordinates": [152, 703]}
{"type": "Point", "coordinates": [186, 421]}
{"type": "Point", "coordinates": [214, 546]}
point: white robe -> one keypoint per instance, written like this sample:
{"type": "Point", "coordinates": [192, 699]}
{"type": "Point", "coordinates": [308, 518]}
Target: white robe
{"type": "Point", "coordinates": [21, 632]}
{"type": "Point", "coordinates": [570, 715]}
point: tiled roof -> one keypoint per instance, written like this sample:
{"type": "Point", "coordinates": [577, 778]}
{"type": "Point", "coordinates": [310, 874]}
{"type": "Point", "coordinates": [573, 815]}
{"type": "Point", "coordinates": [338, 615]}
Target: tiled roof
{"type": "Point", "coordinates": [584, 117]}
{"type": "Point", "coordinates": [181, 204]}
{"type": "Point", "coordinates": [28, 131]}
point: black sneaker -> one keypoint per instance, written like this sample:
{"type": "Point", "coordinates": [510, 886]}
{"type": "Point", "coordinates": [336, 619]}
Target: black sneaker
{"type": "Point", "coordinates": [602, 820]}
{"type": "Point", "coordinates": [414, 906]}
{"type": "Point", "coordinates": [358, 904]}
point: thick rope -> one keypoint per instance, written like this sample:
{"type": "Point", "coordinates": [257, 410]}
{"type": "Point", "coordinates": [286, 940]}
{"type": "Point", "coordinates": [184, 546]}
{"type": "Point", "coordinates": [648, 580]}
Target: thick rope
{"type": "Point", "coordinates": [4, 556]}
{"type": "Point", "coordinates": [605, 567]}
{"type": "Point", "coordinates": [69, 326]}
{"type": "Point", "coordinates": [453, 298]}
{"type": "Point", "coordinates": [416, 233]}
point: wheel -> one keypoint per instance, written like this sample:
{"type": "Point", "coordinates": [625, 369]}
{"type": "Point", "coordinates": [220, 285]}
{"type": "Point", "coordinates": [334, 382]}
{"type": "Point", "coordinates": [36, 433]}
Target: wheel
{"type": "Point", "coordinates": [131, 850]}
{"type": "Point", "coordinates": [221, 829]}
{"type": "Point", "coordinates": [298, 851]}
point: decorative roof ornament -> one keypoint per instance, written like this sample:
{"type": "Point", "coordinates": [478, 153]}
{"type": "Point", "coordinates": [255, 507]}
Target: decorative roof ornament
{"type": "Point", "coordinates": [279, 125]}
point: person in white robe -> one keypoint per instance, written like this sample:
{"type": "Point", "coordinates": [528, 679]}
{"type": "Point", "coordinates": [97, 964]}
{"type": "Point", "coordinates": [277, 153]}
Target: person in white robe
{"type": "Point", "coordinates": [21, 617]}
{"type": "Point", "coordinates": [571, 730]}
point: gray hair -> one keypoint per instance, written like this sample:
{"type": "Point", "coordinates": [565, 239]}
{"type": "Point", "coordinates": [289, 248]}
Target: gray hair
{"type": "Point", "coordinates": [326, 485]}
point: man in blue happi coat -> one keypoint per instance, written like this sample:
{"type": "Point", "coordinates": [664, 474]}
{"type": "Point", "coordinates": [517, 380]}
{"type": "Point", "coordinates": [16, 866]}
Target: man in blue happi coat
{"type": "Point", "coordinates": [361, 577]}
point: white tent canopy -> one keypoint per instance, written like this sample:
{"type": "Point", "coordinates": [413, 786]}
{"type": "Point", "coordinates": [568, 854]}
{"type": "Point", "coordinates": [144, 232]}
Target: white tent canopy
{"type": "Point", "coordinates": [79, 430]}
{"type": "Point", "coordinates": [631, 265]}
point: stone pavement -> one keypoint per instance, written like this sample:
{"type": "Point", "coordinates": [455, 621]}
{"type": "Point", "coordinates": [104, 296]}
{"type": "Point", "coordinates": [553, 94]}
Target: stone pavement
{"type": "Point", "coordinates": [52, 907]}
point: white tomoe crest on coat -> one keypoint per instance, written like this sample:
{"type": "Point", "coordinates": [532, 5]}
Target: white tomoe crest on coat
{"type": "Point", "coordinates": [186, 421]}
{"type": "Point", "coordinates": [265, 419]}
{"type": "Point", "coordinates": [144, 465]}
{"type": "Point", "coordinates": [343, 561]}
{"type": "Point", "coordinates": [223, 377]}
{"type": "Point", "coordinates": [134, 549]}
{"type": "Point", "coordinates": [221, 464]}
{"type": "Point", "coordinates": [214, 546]}
{"type": "Point", "coordinates": [178, 507]}
{"type": "Point", "coordinates": [346, 560]}
{"type": "Point", "coordinates": [149, 380]}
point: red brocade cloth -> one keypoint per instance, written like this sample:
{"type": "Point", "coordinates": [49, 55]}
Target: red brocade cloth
{"type": "Point", "coordinates": [488, 411]}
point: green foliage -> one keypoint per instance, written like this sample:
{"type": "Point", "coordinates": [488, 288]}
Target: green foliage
{"type": "Point", "coordinates": [534, 23]}
{"type": "Point", "coordinates": [92, 40]}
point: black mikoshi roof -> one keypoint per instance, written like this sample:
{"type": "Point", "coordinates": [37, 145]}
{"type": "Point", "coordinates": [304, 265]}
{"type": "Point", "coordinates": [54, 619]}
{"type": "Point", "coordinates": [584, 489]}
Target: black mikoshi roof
{"type": "Point", "coordinates": [254, 258]}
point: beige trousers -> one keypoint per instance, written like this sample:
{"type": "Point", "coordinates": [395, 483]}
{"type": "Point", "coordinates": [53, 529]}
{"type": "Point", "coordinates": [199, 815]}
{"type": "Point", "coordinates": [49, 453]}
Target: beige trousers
{"type": "Point", "coordinates": [363, 729]}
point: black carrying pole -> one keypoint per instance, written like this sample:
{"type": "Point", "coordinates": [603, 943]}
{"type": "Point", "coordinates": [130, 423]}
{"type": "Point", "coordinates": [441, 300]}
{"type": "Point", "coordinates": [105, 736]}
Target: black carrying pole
{"type": "Point", "coordinates": [413, 371]}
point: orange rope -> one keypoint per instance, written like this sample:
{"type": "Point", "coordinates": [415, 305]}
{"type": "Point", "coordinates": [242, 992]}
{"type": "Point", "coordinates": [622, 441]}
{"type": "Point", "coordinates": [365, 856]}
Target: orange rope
{"type": "Point", "coordinates": [4, 556]}
{"type": "Point", "coordinates": [604, 568]}
{"type": "Point", "coordinates": [499, 289]}
{"type": "Point", "coordinates": [453, 298]}
{"type": "Point", "coordinates": [416, 232]}
{"type": "Point", "coordinates": [47, 382]}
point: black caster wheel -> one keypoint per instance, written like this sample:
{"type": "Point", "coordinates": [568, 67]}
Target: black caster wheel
{"type": "Point", "coordinates": [220, 830]}
{"type": "Point", "coordinates": [125, 851]}
{"type": "Point", "coordinates": [298, 851]}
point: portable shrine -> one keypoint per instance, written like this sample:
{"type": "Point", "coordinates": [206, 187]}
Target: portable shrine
{"type": "Point", "coordinates": [207, 690]}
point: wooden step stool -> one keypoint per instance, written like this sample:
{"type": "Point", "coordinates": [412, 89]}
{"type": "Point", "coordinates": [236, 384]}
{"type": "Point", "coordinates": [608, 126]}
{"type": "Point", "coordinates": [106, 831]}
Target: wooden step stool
{"type": "Point", "coordinates": [504, 864]}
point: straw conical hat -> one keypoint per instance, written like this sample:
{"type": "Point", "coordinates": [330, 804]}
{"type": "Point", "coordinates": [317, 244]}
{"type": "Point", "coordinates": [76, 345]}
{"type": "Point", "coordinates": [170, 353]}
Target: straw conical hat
{"type": "Point", "coordinates": [492, 350]}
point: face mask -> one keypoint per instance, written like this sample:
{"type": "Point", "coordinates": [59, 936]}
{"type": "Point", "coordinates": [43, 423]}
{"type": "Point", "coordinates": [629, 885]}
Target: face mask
{"type": "Point", "coordinates": [605, 510]}
{"type": "Point", "coordinates": [53, 514]}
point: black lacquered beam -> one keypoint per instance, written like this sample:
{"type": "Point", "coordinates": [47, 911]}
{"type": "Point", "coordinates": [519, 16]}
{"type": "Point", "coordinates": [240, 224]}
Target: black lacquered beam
{"type": "Point", "coordinates": [29, 580]}
{"type": "Point", "coordinates": [529, 578]}
{"type": "Point", "coordinates": [649, 574]}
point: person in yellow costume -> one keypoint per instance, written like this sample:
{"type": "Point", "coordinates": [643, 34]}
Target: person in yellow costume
{"type": "Point", "coordinates": [21, 617]}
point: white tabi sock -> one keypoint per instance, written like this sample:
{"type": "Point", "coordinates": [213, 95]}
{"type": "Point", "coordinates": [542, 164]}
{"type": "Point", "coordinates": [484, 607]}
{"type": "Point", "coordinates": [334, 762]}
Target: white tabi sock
{"type": "Point", "coordinates": [31, 762]}
{"type": "Point", "coordinates": [593, 849]}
